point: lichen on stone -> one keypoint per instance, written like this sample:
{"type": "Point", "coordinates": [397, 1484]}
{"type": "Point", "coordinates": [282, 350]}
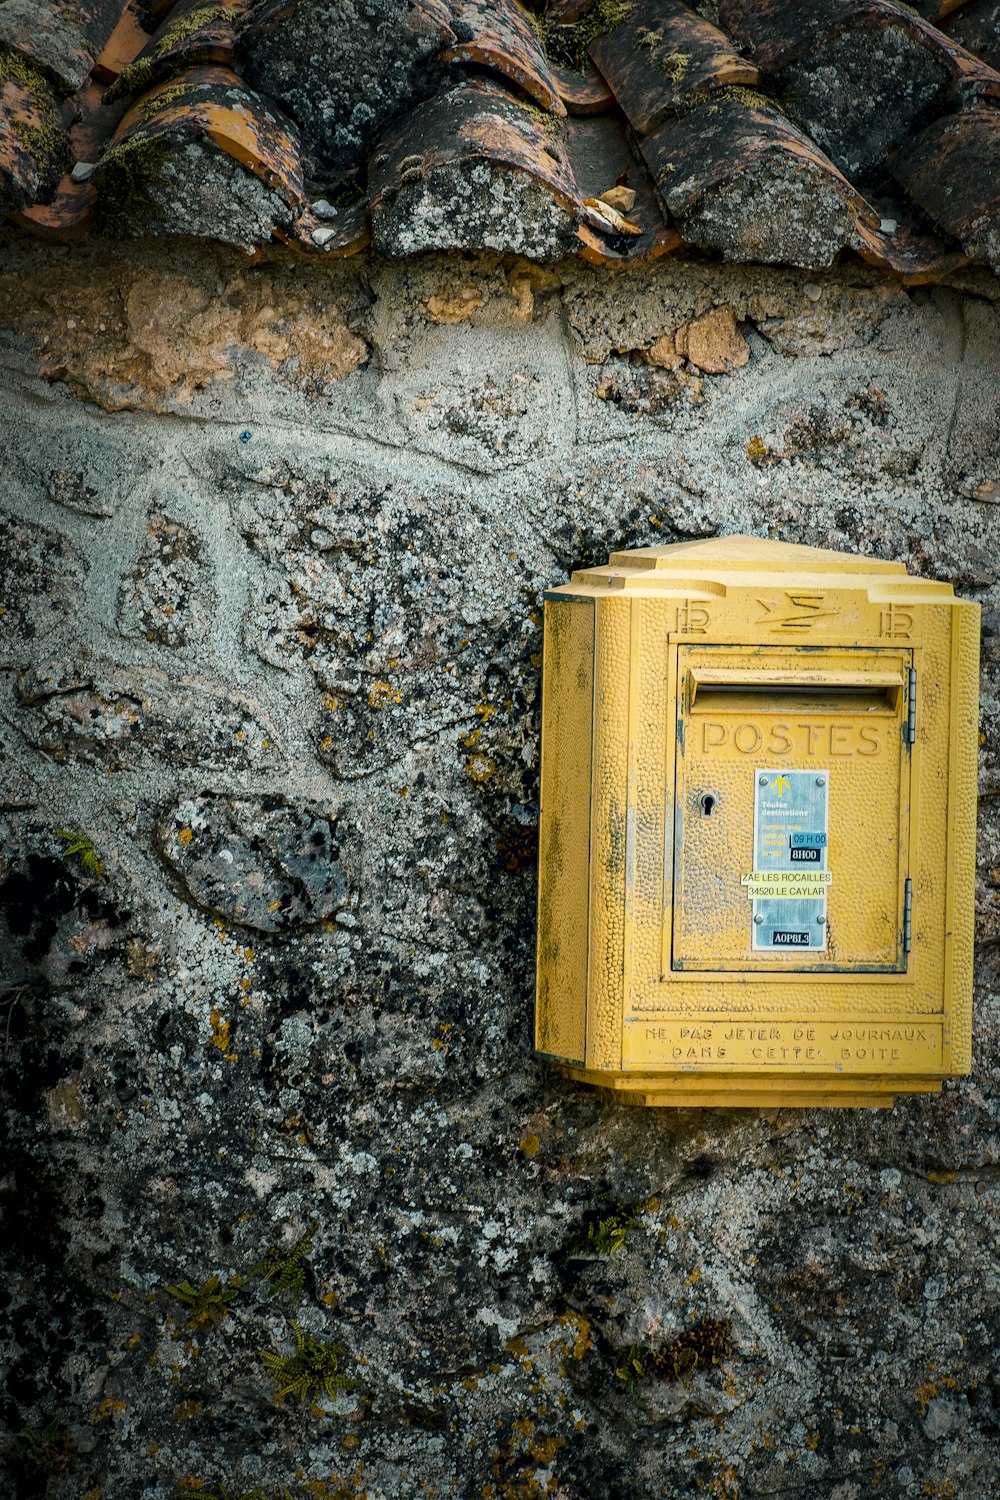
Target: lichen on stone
{"type": "Point", "coordinates": [30, 105]}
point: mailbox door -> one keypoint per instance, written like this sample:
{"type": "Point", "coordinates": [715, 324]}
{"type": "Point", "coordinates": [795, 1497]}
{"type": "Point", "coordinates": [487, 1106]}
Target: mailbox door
{"type": "Point", "coordinates": [792, 809]}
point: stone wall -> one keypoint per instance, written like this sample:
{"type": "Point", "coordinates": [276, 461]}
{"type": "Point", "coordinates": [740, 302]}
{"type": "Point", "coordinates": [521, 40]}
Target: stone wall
{"type": "Point", "coordinates": [275, 539]}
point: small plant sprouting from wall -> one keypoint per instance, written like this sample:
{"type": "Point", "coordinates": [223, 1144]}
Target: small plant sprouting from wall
{"type": "Point", "coordinates": [50, 1450]}
{"type": "Point", "coordinates": [80, 846]}
{"type": "Point", "coordinates": [284, 1270]}
{"type": "Point", "coordinates": [208, 1303]}
{"type": "Point", "coordinates": [701, 1347]}
{"type": "Point", "coordinates": [607, 1232]}
{"type": "Point", "coordinates": [313, 1370]}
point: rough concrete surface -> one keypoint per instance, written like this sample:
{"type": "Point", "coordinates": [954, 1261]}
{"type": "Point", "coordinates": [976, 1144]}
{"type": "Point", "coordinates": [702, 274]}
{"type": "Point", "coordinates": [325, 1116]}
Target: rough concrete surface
{"type": "Point", "coordinates": [290, 1209]}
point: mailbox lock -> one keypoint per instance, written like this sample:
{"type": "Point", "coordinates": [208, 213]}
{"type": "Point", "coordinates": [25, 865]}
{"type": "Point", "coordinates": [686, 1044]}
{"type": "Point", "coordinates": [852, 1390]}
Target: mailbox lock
{"type": "Point", "coordinates": [708, 802]}
{"type": "Point", "coordinates": [821, 781]}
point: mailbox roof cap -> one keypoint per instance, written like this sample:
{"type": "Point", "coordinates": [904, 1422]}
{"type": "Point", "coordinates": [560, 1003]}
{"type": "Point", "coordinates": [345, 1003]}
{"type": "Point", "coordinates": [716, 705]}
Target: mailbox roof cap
{"type": "Point", "coordinates": [750, 553]}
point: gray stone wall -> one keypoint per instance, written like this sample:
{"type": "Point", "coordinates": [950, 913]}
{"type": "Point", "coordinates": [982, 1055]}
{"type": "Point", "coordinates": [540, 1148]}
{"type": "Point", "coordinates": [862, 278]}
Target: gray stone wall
{"type": "Point", "coordinates": [275, 538]}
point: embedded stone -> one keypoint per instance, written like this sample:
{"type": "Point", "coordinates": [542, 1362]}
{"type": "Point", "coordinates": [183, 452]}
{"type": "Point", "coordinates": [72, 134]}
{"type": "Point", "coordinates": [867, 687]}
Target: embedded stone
{"type": "Point", "coordinates": [264, 864]}
{"type": "Point", "coordinates": [713, 343]}
{"type": "Point", "coordinates": [741, 180]}
{"type": "Point", "coordinates": [42, 574]}
{"type": "Point", "coordinates": [164, 597]}
{"type": "Point", "coordinates": [72, 489]}
{"type": "Point", "coordinates": [95, 712]}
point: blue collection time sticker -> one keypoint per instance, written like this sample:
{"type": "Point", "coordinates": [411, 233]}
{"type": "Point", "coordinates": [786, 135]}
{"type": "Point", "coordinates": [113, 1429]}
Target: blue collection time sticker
{"type": "Point", "coordinates": [788, 884]}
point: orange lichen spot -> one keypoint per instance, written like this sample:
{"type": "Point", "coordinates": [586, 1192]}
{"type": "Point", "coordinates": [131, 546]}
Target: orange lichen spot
{"type": "Point", "coordinates": [925, 1395]}
{"type": "Point", "coordinates": [582, 1342]}
{"type": "Point", "coordinates": [186, 1410]}
{"type": "Point", "coordinates": [381, 694]}
{"type": "Point", "coordinates": [350, 1441]}
{"type": "Point", "coordinates": [942, 1177]}
{"type": "Point", "coordinates": [107, 1408]}
{"type": "Point", "coordinates": [220, 1031]}
{"type": "Point", "coordinates": [184, 837]}
{"type": "Point", "coordinates": [480, 768]}
{"type": "Point", "coordinates": [758, 452]}
{"type": "Point", "coordinates": [530, 1144]}
{"type": "Point", "coordinates": [131, 1343]}
{"type": "Point", "coordinates": [812, 1441]}
{"type": "Point", "coordinates": [330, 703]}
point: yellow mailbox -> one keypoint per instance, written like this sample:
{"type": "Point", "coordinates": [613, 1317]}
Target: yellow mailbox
{"type": "Point", "coordinates": [758, 814]}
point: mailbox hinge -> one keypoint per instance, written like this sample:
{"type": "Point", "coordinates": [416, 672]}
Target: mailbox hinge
{"type": "Point", "coordinates": [911, 709]}
{"type": "Point", "coordinates": [907, 913]}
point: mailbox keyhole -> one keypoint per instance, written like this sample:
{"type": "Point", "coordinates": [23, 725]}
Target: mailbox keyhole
{"type": "Point", "coordinates": [707, 801]}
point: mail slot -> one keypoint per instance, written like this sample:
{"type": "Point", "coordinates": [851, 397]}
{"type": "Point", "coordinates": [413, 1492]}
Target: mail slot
{"type": "Point", "coordinates": [757, 827]}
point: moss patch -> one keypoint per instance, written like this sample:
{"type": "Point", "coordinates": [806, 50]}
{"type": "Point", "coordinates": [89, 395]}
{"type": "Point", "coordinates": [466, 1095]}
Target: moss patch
{"type": "Point", "coordinates": [568, 46]}
{"type": "Point", "coordinates": [190, 24]}
{"type": "Point", "coordinates": [133, 79]}
{"type": "Point", "coordinates": [673, 65]}
{"type": "Point", "coordinates": [162, 100]}
{"type": "Point", "coordinates": [126, 208]}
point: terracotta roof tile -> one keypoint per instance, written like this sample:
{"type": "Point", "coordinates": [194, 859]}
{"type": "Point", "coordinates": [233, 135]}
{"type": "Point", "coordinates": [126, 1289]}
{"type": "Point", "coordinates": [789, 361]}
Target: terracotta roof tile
{"type": "Point", "coordinates": [192, 34]}
{"type": "Point", "coordinates": [34, 143]}
{"type": "Point", "coordinates": [738, 178]}
{"type": "Point", "coordinates": [344, 84]}
{"type": "Point", "coordinates": [942, 170]}
{"type": "Point", "coordinates": [473, 169]}
{"type": "Point", "coordinates": [69, 211]}
{"type": "Point", "coordinates": [583, 93]}
{"type": "Point", "coordinates": [125, 43]}
{"type": "Point", "coordinates": [141, 179]}
{"type": "Point", "coordinates": [977, 28]}
{"type": "Point", "coordinates": [61, 37]}
{"type": "Point", "coordinates": [245, 121]}
{"type": "Point", "coordinates": [936, 11]}
{"type": "Point", "coordinates": [914, 257]}
{"type": "Point", "coordinates": [860, 76]}
{"type": "Point", "coordinates": [497, 35]}
{"type": "Point", "coordinates": [662, 56]}
{"type": "Point", "coordinates": [600, 154]}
